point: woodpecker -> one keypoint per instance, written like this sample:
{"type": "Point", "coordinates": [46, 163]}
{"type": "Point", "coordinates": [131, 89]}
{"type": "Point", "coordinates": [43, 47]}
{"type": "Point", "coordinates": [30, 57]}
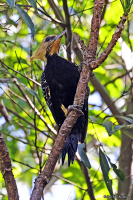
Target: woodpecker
{"type": "Point", "coordinates": [59, 82]}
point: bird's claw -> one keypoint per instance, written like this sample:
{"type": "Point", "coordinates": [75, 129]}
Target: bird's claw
{"type": "Point", "coordinates": [82, 64]}
{"type": "Point", "coordinates": [76, 108]}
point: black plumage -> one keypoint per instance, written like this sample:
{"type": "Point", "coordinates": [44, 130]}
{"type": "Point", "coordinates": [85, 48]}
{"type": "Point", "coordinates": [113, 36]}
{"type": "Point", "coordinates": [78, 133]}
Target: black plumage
{"type": "Point", "coordinates": [59, 82]}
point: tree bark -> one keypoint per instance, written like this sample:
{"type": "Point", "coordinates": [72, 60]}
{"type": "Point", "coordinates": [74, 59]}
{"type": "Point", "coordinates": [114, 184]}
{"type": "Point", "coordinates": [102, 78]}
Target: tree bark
{"type": "Point", "coordinates": [6, 170]}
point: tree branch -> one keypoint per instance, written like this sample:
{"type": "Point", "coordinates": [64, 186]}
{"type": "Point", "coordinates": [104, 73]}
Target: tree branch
{"type": "Point", "coordinates": [16, 114]}
{"type": "Point", "coordinates": [87, 178]}
{"type": "Point", "coordinates": [69, 32]}
{"type": "Point", "coordinates": [60, 17]}
{"type": "Point", "coordinates": [25, 76]}
{"type": "Point", "coordinates": [121, 76]}
{"type": "Point", "coordinates": [109, 48]}
{"type": "Point", "coordinates": [44, 177]}
{"type": "Point", "coordinates": [6, 170]}
{"type": "Point", "coordinates": [34, 108]}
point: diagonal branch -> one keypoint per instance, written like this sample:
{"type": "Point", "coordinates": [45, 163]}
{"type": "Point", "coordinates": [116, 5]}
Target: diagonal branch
{"type": "Point", "coordinates": [34, 108]}
{"type": "Point", "coordinates": [94, 80]}
{"type": "Point", "coordinates": [95, 25]}
{"type": "Point", "coordinates": [6, 170]}
{"type": "Point", "coordinates": [87, 178]}
{"type": "Point", "coordinates": [44, 177]}
{"type": "Point", "coordinates": [110, 46]}
{"type": "Point", "coordinates": [25, 76]}
{"type": "Point", "coordinates": [28, 122]}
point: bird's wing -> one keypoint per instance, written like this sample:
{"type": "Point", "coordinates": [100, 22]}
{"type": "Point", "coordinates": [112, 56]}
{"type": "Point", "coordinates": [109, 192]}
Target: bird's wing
{"type": "Point", "coordinates": [47, 95]}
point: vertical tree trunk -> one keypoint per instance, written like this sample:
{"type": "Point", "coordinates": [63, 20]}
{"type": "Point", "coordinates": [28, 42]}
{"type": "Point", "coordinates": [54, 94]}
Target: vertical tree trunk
{"type": "Point", "coordinates": [126, 156]}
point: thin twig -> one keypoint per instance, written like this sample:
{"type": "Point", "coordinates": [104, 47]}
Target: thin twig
{"type": "Point", "coordinates": [20, 117]}
{"type": "Point", "coordinates": [34, 108]}
{"type": "Point", "coordinates": [69, 32]}
{"type": "Point", "coordinates": [21, 74]}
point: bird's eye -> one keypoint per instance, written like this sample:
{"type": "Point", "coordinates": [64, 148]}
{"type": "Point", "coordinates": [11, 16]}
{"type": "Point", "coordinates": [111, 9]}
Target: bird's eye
{"type": "Point", "coordinates": [48, 39]}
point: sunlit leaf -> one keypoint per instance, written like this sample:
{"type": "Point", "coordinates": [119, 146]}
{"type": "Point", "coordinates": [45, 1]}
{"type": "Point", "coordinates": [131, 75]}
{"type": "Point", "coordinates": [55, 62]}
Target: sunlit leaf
{"type": "Point", "coordinates": [27, 19]}
{"type": "Point", "coordinates": [118, 172]}
{"type": "Point", "coordinates": [33, 3]}
{"type": "Point", "coordinates": [83, 155]}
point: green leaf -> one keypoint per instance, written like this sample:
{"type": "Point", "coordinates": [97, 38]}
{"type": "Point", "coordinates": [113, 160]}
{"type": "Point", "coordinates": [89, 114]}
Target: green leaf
{"type": "Point", "coordinates": [122, 117]}
{"type": "Point", "coordinates": [127, 119]}
{"type": "Point", "coordinates": [118, 172]}
{"type": "Point", "coordinates": [27, 19]}
{"type": "Point", "coordinates": [105, 170]}
{"type": "Point", "coordinates": [10, 21]}
{"type": "Point", "coordinates": [83, 155]}
{"type": "Point", "coordinates": [11, 3]}
{"type": "Point", "coordinates": [33, 3]}
{"type": "Point", "coordinates": [109, 127]}
{"type": "Point", "coordinates": [118, 127]}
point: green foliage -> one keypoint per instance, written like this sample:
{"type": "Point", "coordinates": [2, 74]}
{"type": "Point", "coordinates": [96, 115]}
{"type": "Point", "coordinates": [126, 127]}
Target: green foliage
{"type": "Point", "coordinates": [29, 146]}
{"type": "Point", "coordinates": [105, 169]}
{"type": "Point", "coordinates": [83, 155]}
{"type": "Point", "coordinates": [33, 3]}
{"type": "Point", "coordinates": [11, 3]}
{"type": "Point", "coordinates": [126, 4]}
{"type": "Point", "coordinates": [26, 18]}
{"type": "Point", "coordinates": [118, 172]}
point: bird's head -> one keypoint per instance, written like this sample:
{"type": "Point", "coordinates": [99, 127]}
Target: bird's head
{"type": "Point", "coordinates": [49, 46]}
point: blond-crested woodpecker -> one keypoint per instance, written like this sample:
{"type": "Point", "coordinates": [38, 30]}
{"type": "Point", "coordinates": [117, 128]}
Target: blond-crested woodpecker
{"type": "Point", "coordinates": [59, 82]}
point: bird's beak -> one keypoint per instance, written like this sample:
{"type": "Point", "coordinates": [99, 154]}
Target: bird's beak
{"type": "Point", "coordinates": [60, 35]}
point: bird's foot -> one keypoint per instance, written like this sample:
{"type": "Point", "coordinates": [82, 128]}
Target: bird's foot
{"type": "Point", "coordinates": [82, 64]}
{"type": "Point", "coordinates": [76, 108]}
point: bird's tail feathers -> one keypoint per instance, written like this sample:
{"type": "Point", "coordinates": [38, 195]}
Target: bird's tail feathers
{"type": "Point", "coordinates": [70, 147]}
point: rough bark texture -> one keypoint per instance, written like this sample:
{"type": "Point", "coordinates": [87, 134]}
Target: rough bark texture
{"type": "Point", "coordinates": [126, 156]}
{"type": "Point", "coordinates": [95, 24]}
{"type": "Point", "coordinates": [44, 177]}
{"type": "Point", "coordinates": [115, 38]}
{"type": "Point", "coordinates": [90, 62]}
{"type": "Point", "coordinates": [6, 170]}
